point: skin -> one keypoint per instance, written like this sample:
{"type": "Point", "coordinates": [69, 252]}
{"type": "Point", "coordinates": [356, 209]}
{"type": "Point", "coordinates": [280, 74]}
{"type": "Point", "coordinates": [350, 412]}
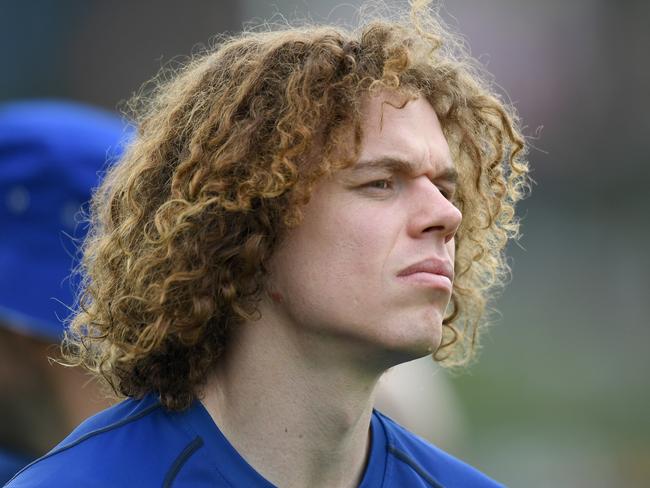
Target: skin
{"type": "Point", "coordinates": [295, 391]}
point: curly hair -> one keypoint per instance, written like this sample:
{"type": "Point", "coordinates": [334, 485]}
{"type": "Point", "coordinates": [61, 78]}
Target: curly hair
{"type": "Point", "coordinates": [182, 228]}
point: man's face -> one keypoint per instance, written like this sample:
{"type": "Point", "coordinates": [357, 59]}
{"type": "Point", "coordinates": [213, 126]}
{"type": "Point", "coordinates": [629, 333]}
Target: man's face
{"type": "Point", "coordinates": [371, 264]}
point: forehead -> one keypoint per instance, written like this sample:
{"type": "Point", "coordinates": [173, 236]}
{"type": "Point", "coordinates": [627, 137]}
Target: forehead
{"type": "Point", "coordinates": [400, 128]}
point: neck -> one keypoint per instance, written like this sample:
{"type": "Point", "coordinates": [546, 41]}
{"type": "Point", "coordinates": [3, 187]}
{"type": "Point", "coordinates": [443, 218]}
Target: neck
{"type": "Point", "coordinates": [296, 411]}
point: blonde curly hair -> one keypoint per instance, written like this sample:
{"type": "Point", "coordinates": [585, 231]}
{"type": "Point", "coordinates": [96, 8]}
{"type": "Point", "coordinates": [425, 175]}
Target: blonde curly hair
{"type": "Point", "coordinates": [183, 227]}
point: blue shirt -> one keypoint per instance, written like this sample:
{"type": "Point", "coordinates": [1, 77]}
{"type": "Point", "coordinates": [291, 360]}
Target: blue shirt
{"type": "Point", "coordinates": [141, 444]}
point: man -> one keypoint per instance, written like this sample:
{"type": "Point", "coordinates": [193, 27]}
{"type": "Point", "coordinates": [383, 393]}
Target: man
{"type": "Point", "coordinates": [285, 227]}
{"type": "Point", "coordinates": [50, 156]}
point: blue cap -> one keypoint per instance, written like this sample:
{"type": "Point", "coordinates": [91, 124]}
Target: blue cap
{"type": "Point", "coordinates": [52, 155]}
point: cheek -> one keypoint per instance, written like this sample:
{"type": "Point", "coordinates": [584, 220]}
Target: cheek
{"type": "Point", "coordinates": [360, 246]}
{"type": "Point", "coordinates": [451, 249]}
{"type": "Point", "coordinates": [338, 253]}
{"type": "Point", "coordinates": [339, 261]}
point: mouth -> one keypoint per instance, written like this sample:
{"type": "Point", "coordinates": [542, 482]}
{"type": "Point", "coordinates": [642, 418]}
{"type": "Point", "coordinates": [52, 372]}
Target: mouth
{"type": "Point", "coordinates": [433, 272]}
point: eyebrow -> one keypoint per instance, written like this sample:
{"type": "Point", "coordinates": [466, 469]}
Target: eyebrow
{"type": "Point", "coordinates": [448, 174]}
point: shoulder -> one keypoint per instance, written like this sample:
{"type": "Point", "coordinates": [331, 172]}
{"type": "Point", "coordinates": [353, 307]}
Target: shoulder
{"type": "Point", "coordinates": [413, 456]}
{"type": "Point", "coordinates": [134, 443]}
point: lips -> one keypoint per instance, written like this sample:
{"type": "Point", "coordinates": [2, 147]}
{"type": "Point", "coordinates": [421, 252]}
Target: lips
{"type": "Point", "coordinates": [432, 266]}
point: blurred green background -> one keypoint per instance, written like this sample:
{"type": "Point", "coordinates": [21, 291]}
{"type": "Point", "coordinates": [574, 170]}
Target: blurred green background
{"type": "Point", "coordinates": [560, 396]}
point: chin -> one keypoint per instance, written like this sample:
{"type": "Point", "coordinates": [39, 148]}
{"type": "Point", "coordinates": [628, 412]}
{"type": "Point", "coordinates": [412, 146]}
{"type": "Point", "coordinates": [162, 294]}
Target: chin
{"type": "Point", "coordinates": [421, 348]}
{"type": "Point", "coordinates": [413, 346]}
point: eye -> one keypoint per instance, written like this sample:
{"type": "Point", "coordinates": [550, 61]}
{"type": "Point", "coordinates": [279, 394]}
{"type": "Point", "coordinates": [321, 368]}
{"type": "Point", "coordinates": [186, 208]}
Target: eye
{"type": "Point", "coordinates": [385, 184]}
{"type": "Point", "coordinates": [446, 192]}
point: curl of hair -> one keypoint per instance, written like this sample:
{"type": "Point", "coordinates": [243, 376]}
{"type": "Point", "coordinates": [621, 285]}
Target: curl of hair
{"type": "Point", "coordinates": [182, 228]}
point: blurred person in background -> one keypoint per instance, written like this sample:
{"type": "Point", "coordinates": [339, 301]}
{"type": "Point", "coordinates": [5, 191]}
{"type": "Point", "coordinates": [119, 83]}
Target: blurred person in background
{"type": "Point", "coordinates": [284, 228]}
{"type": "Point", "coordinates": [50, 155]}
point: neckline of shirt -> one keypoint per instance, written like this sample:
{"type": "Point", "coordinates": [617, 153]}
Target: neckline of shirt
{"type": "Point", "coordinates": [238, 472]}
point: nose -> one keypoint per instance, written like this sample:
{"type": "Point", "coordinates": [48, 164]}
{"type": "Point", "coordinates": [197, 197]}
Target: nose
{"type": "Point", "coordinates": [432, 213]}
